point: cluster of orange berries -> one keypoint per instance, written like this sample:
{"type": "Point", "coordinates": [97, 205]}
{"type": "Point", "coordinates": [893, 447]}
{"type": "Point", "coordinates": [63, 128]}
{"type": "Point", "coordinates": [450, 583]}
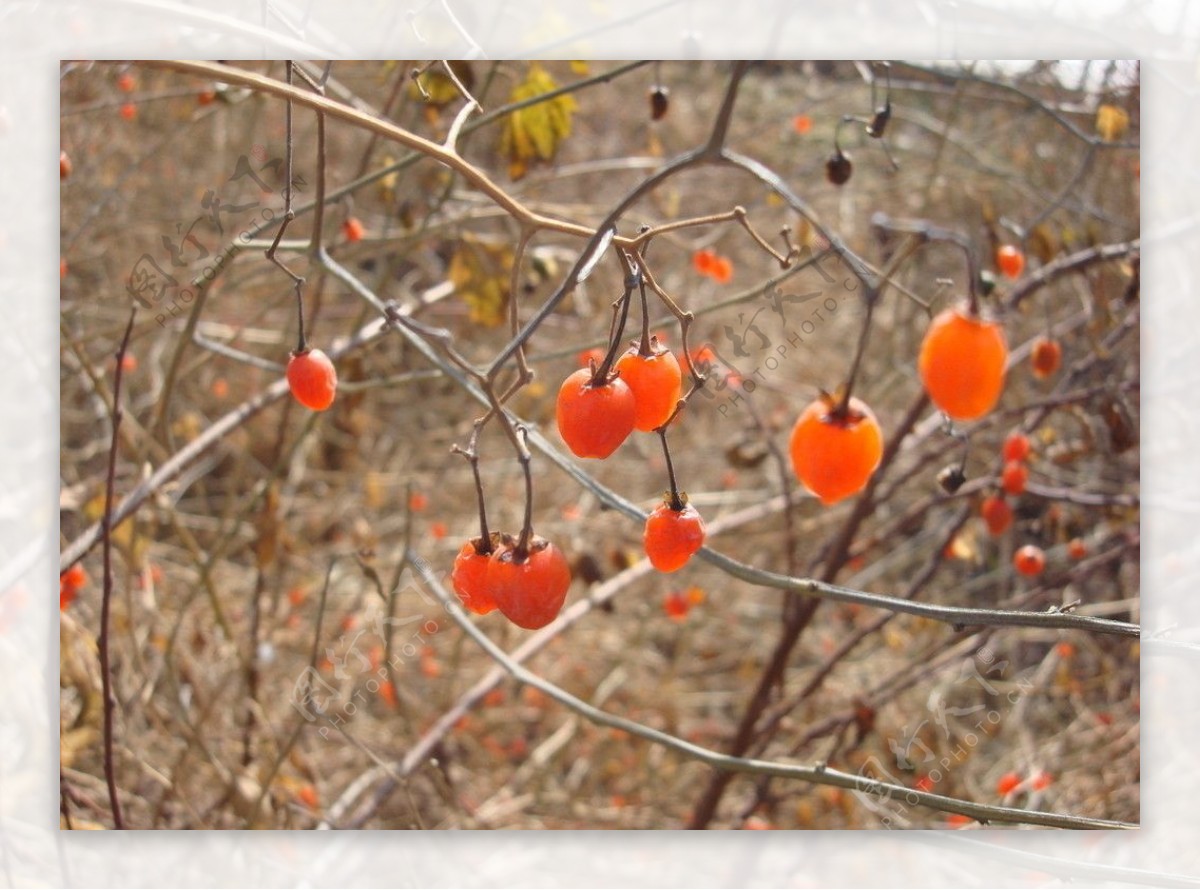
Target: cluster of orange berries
{"type": "Point", "coordinates": [835, 445]}
{"type": "Point", "coordinates": [528, 588]}
{"type": "Point", "coordinates": [713, 265]}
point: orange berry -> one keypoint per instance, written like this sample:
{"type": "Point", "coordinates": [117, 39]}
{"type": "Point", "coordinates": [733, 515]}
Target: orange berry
{"type": "Point", "coordinates": [220, 387]}
{"type": "Point", "coordinates": [962, 364]}
{"type": "Point", "coordinates": [353, 229]}
{"type": "Point", "coordinates": [757, 823]}
{"type": "Point", "coordinates": [671, 536]}
{"type": "Point", "coordinates": [529, 592]}
{"type": "Point", "coordinates": [657, 384]}
{"type": "Point", "coordinates": [1016, 446]}
{"type": "Point", "coordinates": [74, 576]}
{"type": "Point", "coordinates": [722, 270]}
{"type": "Point", "coordinates": [1042, 780]}
{"type": "Point", "coordinates": [387, 692]}
{"type": "Point", "coordinates": [1029, 560]}
{"type": "Point", "coordinates": [997, 514]}
{"type": "Point", "coordinates": [64, 165]}
{"type": "Point", "coordinates": [1010, 260]}
{"type": "Point", "coordinates": [307, 795]}
{"type": "Point", "coordinates": [438, 530]}
{"type": "Point", "coordinates": [958, 820]}
{"type": "Point", "coordinates": [1045, 356]}
{"type": "Point", "coordinates": [676, 605]}
{"type": "Point", "coordinates": [834, 455]}
{"type": "Point", "coordinates": [129, 363]}
{"type": "Point", "coordinates": [312, 379]}
{"type": "Point", "coordinates": [1065, 649]}
{"type": "Point", "coordinates": [126, 83]}
{"type": "Point", "coordinates": [418, 501]}
{"type": "Point", "coordinates": [594, 419]}
{"type": "Point", "coordinates": [206, 97]}
{"type": "Point", "coordinates": [62, 268]}
{"type": "Point", "coordinates": [703, 260]}
{"type": "Point", "coordinates": [1014, 477]}
{"type": "Point", "coordinates": [1008, 783]}
{"type": "Point", "coordinates": [128, 111]}
{"type": "Point", "coordinates": [296, 596]}
{"type": "Point", "coordinates": [69, 584]}
{"type": "Point", "coordinates": [469, 578]}
{"type": "Point", "coordinates": [1077, 549]}
{"type": "Point", "coordinates": [802, 124]}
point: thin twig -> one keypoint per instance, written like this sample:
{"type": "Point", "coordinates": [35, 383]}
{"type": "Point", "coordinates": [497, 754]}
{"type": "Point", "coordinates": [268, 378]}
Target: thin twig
{"type": "Point", "coordinates": [106, 602]}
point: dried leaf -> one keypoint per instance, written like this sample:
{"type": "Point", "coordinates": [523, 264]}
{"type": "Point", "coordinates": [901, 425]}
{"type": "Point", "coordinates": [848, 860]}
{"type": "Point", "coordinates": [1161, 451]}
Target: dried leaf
{"type": "Point", "coordinates": [481, 273]}
{"type": "Point", "coordinates": [1111, 122]}
{"type": "Point", "coordinates": [535, 132]}
{"type": "Point", "coordinates": [438, 88]}
{"type": "Point", "coordinates": [1042, 243]}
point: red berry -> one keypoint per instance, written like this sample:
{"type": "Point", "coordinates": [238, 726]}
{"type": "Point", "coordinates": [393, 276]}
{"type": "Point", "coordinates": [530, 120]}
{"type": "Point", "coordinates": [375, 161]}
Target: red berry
{"type": "Point", "coordinates": [1008, 783]}
{"type": "Point", "coordinates": [1016, 446]}
{"type": "Point", "coordinates": [1077, 549]}
{"type": "Point", "coordinates": [672, 536]}
{"type": "Point", "coordinates": [1010, 261]}
{"type": "Point", "coordinates": [469, 577]}
{"type": "Point", "coordinates": [1014, 477]}
{"type": "Point", "coordinates": [1045, 356]}
{"type": "Point", "coordinates": [206, 97]}
{"type": "Point", "coordinates": [75, 576]}
{"type": "Point", "coordinates": [69, 584]}
{"type": "Point", "coordinates": [128, 111]}
{"type": "Point", "coordinates": [312, 378]}
{"type": "Point", "coordinates": [64, 165]}
{"type": "Point", "coordinates": [996, 513]}
{"type": "Point", "coordinates": [657, 384]}
{"type": "Point", "coordinates": [1029, 560]}
{"type": "Point", "coordinates": [594, 419]}
{"type": "Point", "coordinates": [834, 456]}
{"type": "Point", "coordinates": [126, 83]}
{"type": "Point", "coordinates": [703, 261]}
{"type": "Point", "coordinates": [353, 229]}
{"type": "Point", "coordinates": [722, 270]}
{"type": "Point", "coordinates": [677, 605]}
{"type": "Point", "coordinates": [1042, 780]}
{"type": "Point", "coordinates": [529, 592]}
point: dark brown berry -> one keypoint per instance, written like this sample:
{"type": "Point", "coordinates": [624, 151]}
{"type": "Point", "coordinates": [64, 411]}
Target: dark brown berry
{"type": "Point", "coordinates": [838, 168]}
{"type": "Point", "coordinates": [951, 479]}
{"type": "Point", "coordinates": [660, 102]}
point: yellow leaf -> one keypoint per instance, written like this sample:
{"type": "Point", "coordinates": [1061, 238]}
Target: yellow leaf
{"type": "Point", "coordinates": [1111, 122]}
{"type": "Point", "coordinates": [481, 273]}
{"type": "Point", "coordinates": [535, 131]}
{"type": "Point", "coordinates": [438, 88]}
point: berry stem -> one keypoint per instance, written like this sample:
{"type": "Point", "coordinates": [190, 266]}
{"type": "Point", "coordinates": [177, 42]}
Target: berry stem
{"type": "Point", "coordinates": [675, 500]}
{"type": "Point", "coordinates": [633, 277]}
{"type": "Point", "coordinates": [521, 551]}
{"type": "Point", "coordinates": [472, 455]}
{"type": "Point", "coordinates": [644, 345]}
{"type": "Point", "coordinates": [844, 406]}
